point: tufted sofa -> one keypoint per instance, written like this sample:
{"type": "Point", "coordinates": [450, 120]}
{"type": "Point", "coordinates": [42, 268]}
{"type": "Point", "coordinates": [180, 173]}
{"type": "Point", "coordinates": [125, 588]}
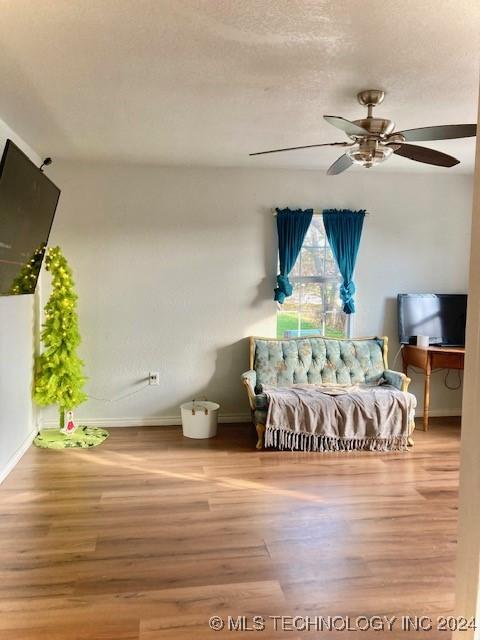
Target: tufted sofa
{"type": "Point", "coordinates": [314, 360]}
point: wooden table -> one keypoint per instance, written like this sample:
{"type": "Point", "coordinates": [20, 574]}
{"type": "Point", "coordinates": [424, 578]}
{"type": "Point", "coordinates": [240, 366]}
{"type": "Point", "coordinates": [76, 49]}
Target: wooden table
{"type": "Point", "coordinates": [428, 359]}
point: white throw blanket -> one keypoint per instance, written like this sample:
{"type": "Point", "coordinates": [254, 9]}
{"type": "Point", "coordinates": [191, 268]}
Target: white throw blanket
{"type": "Point", "coordinates": [339, 418]}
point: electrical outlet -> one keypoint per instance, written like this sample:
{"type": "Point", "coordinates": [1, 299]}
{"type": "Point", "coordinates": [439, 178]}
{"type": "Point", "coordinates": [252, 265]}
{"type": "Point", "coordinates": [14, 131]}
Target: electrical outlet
{"type": "Point", "coordinates": [153, 377]}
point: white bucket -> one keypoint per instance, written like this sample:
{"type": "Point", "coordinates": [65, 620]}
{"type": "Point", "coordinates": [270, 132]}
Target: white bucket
{"type": "Point", "coordinates": [199, 419]}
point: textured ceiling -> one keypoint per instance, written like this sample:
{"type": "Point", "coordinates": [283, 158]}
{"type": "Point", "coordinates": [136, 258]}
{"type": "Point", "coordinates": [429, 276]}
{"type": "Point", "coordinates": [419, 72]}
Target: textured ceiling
{"type": "Point", "coordinates": [207, 81]}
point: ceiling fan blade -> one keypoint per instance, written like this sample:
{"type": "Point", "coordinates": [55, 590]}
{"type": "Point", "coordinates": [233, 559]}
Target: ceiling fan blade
{"type": "Point", "coordinates": [350, 128]}
{"type": "Point", "coordinates": [308, 146]}
{"type": "Point", "coordinates": [341, 164]}
{"type": "Point", "coordinates": [443, 132]}
{"type": "Point", "coordinates": [423, 154]}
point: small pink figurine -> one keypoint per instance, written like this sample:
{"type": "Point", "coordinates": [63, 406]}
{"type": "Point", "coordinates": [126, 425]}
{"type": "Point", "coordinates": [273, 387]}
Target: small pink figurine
{"type": "Point", "coordinates": [70, 426]}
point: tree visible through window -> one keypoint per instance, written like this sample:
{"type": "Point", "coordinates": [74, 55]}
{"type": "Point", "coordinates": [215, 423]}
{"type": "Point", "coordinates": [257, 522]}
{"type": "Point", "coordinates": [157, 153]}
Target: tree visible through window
{"type": "Point", "coordinates": [315, 306]}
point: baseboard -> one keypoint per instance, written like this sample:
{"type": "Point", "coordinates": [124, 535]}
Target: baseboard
{"type": "Point", "coordinates": [17, 455]}
{"type": "Point", "coordinates": [441, 413]}
{"type": "Point", "coordinates": [160, 421]}
{"type": "Point", "coordinates": [226, 418]}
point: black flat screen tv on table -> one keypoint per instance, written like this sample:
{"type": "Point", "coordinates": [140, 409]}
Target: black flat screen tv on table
{"type": "Point", "coordinates": [440, 316]}
{"type": "Point", "coordinates": [28, 200]}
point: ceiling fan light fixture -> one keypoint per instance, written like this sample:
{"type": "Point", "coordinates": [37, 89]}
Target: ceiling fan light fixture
{"type": "Point", "coordinates": [368, 153]}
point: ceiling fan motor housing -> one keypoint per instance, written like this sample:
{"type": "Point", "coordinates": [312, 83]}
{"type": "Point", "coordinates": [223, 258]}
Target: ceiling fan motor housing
{"type": "Point", "coordinates": [376, 126]}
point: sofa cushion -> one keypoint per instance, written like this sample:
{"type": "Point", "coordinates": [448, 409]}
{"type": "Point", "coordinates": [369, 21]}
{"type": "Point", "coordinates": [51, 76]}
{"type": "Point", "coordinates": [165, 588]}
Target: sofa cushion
{"type": "Point", "coordinates": [317, 361]}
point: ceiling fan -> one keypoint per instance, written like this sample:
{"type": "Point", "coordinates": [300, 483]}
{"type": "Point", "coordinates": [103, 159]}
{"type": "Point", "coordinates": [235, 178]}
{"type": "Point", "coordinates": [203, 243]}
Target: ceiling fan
{"type": "Point", "coordinates": [374, 140]}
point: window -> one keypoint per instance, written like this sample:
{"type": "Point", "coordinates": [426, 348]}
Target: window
{"type": "Point", "coordinates": [315, 306]}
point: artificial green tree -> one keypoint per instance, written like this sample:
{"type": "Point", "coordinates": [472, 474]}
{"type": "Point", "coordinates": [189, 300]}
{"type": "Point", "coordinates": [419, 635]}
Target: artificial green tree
{"type": "Point", "coordinates": [59, 375]}
{"type": "Point", "coordinates": [27, 278]}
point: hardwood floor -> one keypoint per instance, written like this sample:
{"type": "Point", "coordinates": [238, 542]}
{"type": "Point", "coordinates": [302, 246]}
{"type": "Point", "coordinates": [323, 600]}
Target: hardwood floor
{"type": "Point", "coordinates": [150, 534]}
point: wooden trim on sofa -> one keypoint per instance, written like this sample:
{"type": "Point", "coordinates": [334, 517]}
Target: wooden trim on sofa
{"type": "Point", "coordinates": [405, 384]}
{"type": "Point", "coordinates": [250, 393]}
{"type": "Point", "coordinates": [385, 350]}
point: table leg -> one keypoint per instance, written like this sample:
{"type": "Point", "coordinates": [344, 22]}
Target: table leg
{"type": "Point", "coordinates": [426, 400]}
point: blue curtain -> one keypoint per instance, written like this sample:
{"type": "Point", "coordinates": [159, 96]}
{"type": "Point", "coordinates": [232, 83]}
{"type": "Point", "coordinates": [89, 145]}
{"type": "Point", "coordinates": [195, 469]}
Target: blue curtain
{"type": "Point", "coordinates": [344, 230]}
{"type": "Point", "coordinates": [292, 227]}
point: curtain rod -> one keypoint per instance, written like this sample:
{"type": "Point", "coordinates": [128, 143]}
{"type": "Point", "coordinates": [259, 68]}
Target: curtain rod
{"type": "Point", "coordinates": [316, 212]}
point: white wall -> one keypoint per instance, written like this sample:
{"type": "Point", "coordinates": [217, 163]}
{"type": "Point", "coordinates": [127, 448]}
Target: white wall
{"type": "Point", "coordinates": [17, 415]}
{"type": "Point", "coordinates": [16, 369]}
{"type": "Point", "coordinates": [176, 266]}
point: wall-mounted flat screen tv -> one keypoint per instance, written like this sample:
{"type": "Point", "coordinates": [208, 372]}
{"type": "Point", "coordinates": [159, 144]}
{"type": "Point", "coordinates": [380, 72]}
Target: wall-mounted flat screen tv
{"type": "Point", "coordinates": [440, 316]}
{"type": "Point", "coordinates": [28, 200]}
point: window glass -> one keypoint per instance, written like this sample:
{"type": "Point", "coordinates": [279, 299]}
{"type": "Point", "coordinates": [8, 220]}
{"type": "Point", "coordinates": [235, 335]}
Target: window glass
{"type": "Point", "coordinates": [315, 306]}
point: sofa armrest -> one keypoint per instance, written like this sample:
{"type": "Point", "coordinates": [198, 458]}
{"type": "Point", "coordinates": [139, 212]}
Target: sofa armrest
{"type": "Point", "coordinates": [249, 380]}
{"type": "Point", "coordinates": [397, 379]}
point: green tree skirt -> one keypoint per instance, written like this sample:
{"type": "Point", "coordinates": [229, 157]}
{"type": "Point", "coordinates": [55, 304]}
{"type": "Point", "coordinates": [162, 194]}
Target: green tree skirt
{"type": "Point", "coordinates": [82, 437]}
